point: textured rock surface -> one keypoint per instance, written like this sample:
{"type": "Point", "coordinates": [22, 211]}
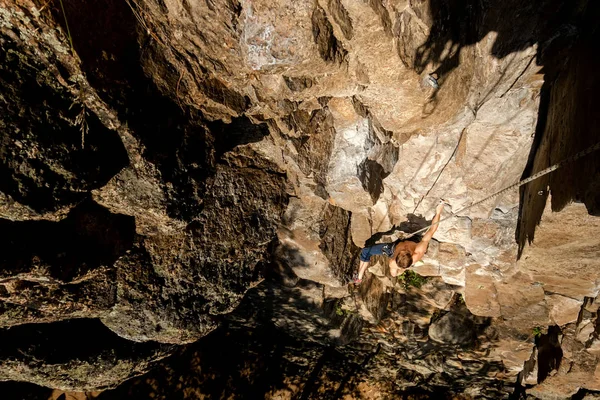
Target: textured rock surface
{"type": "Point", "coordinates": [93, 356]}
{"type": "Point", "coordinates": [452, 329]}
{"type": "Point", "coordinates": [159, 157]}
{"type": "Point", "coordinates": [133, 250]}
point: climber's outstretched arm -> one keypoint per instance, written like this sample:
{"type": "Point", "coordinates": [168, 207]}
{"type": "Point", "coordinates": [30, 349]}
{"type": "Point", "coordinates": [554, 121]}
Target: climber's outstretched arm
{"type": "Point", "coordinates": [422, 245]}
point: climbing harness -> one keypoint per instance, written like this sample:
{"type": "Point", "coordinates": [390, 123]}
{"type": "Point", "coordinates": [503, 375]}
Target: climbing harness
{"type": "Point", "coordinates": [525, 181]}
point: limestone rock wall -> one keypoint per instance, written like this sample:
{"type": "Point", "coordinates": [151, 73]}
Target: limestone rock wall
{"type": "Point", "coordinates": [159, 157]}
{"type": "Point", "coordinates": [94, 210]}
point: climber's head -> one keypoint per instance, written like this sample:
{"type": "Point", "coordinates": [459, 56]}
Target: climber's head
{"type": "Point", "coordinates": [404, 259]}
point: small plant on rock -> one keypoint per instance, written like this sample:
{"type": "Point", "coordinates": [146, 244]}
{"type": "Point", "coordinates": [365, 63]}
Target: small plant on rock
{"type": "Point", "coordinates": [339, 310]}
{"type": "Point", "coordinates": [411, 278]}
{"type": "Point", "coordinates": [537, 332]}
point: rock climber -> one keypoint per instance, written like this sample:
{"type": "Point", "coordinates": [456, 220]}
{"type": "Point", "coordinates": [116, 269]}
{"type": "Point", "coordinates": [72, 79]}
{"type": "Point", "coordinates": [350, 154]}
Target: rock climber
{"type": "Point", "coordinates": [403, 254]}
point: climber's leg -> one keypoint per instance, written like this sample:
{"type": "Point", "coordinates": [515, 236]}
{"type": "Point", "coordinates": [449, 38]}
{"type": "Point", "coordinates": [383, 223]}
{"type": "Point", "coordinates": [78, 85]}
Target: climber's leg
{"type": "Point", "coordinates": [361, 271]}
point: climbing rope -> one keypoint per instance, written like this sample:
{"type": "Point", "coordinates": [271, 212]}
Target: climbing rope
{"type": "Point", "coordinates": [525, 181]}
{"type": "Point", "coordinates": [441, 172]}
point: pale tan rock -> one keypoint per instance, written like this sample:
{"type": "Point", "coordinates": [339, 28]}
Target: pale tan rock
{"type": "Point", "coordinates": [553, 391]}
{"type": "Point", "coordinates": [453, 276]}
{"type": "Point", "coordinates": [522, 302]}
{"type": "Point", "coordinates": [481, 296]}
{"type": "Point", "coordinates": [351, 147]}
{"type": "Point", "coordinates": [584, 330]}
{"type": "Point", "coordinates": [304, 216]}
{"type": "Point", "coordinates": [570, 240]}
{"type": "Point", "coordinates": [575, 287]}
{"type": "Point", "coordinates": [563, 310]}
{"type": "Point", "coordinates": [493, 240]}
{"type": "Point", "coordinates": [427, 269]}
{"type": "Point", "coordinates": [335, 292]}
{"type": "Point", "coordinates": [451, 255]}
{"type": "Point", "coordinates": [563, 386]}
{"type": "Point", "coordinates": [361, 228]}
{"type": "Point", "coordinates": [305, 258]}
{"type": "Point", "coordinates": [594, 348]}
{"type": "Point", "coordinates": [377, 270]}
{"type": "Point", "coordinates": [455, 230]}
{"type": "Point", "coordinates": [592, 306]}
{"type": "Point", "coordinates": [380, 215]}
{"type": "Point", "coordinates": [513, 353]}
{"type": "Point", "coordinates": [531, 377]}
{"type": "Point", "coordinates": [438, 292]}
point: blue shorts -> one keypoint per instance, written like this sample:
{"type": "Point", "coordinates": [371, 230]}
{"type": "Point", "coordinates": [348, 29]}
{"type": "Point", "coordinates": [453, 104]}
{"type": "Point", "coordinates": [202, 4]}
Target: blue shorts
{"type": "Point", "coordinates": [378, 249]}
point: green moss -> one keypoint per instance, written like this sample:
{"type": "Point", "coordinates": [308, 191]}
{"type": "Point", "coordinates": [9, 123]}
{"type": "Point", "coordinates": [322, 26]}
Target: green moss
{"type": "Point", "coordinates": [411, 278]}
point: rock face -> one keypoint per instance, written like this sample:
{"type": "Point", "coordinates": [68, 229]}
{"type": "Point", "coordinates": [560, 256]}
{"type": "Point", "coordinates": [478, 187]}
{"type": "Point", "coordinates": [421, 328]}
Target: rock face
{"type": "Point", "coordinates": [452, 329]}
{"type": "Point", "coordinates": [93, 356]}
{"type": "Point", "coordinates": [158, 158]}
{"type": "Point", "coordinates": [96, 214]}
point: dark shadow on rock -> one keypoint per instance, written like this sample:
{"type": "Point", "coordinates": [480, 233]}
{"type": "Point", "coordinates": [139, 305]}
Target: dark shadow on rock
{"type": "Point", "coordinates": [373, 294]}
{"type": "Point", "coordinates": [275, 342]}
{"type": "Point", "coordinates": [239, 132]}
{"type": "Point", "coordinates": [549, 353]}
{"type": "Point", "coordinates": [406, 305]}
{"type": "Point", "coordinates": [566, 34]}
{"type": "Point", "coordinates": [105, 36]}
{"type": "Point", "coordinates": [350, 324]}
{"type": "Point", "coordinates": [312, 382]}
{"type": "Point", "coordinates": [460, 327]}
{"type": "Point", "coordinates": [114, 48]}
{"type": "Point", "coordinates": [298, 84]}
{"type": "Point", "coordinates": [66, 353]}
{"type": "Point", "coordinates": [24, 391]}
{"type": "Point", "coordinates": [52, 149]}
{"type": "Point", "coordinates": [584, 394]}
{"type": "Point", "coordinates": [60, 342]}
{"type": "Point", "coordinates": [291, 256]}
{"type": "Point", "coordinates": [252, 354]}
{"type": "Point", "coordinates": [568, 122]}
{"type": "Point", "coordinates": [382, 155]}
{"type": "Point", "coordinates": [280, 269]}
{"type": "Point", "coordinates": [330, 48]}
{"type": "Point", "coordinates": [315, 144]}
{"type": "Point", "coordinates": [336, 242]}
{"type": "Point", "coordinates": [90, 236]}
{"type": "Point", "coordinates": [460, 23]}
{"type": "Point", "coordinates": [240, 363]}
{"type": "Point", "coordinates": [354, 372]}
{"type": "Point", "coordinates": [240, 209]}
{"type": "Point", "coordinates": [413, 224]}
{"type": "Point", "coordinates": [371, 175]}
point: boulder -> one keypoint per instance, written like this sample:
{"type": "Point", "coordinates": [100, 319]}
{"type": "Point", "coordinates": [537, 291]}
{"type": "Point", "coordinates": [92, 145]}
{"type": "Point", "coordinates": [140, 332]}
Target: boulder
{"type": "Point", "coordinates": [453, 328]}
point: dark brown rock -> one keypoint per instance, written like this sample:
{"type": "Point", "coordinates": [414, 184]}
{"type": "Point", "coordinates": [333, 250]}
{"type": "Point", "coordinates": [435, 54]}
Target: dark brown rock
{"type": "Point", "coordinates": [148, 151]}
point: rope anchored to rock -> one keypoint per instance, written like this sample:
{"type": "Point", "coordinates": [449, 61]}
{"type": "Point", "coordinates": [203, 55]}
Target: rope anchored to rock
{"type": "Point", "coordinates": [525, 181]}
